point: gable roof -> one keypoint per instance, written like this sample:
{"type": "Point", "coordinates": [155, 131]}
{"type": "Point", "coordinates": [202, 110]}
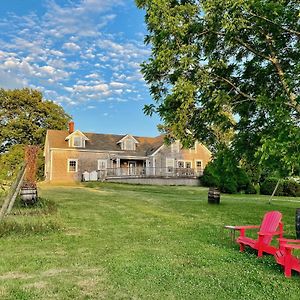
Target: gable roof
{"type": "Point", "coordinates": [106, 142]}
{"type": "Point", "coordinates": [127, 136]}
{"type": "Point", "coordinates": [76, 133]}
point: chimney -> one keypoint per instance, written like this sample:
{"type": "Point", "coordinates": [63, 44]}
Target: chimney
{"type": "Point", "coordinates": [71, 127]}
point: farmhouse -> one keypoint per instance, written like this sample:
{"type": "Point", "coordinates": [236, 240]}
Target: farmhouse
{"type": "Point", "coordinates": [79, 156]}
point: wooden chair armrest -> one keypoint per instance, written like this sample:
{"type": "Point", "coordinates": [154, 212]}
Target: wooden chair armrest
{"type": "Point", "coordinates": [284, 240]}
{"type": "Point", "coordinates": [290, 246]}
{"type": "Point", "coordinates": [246, 227]}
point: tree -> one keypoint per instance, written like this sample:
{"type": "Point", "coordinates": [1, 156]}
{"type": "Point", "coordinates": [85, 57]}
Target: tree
{"type": "Point", "coordinates": [25, 118]}
{"type": "Point", "coordinates": [227, 65]}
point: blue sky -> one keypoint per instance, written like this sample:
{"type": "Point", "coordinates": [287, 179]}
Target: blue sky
{"type": "Point", "coordinates": [82, 54]}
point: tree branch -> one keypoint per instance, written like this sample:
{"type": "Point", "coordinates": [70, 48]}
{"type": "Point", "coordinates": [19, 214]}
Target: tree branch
{"type": "Point", "coordinates": [236, 88]}
{"type": "Point", "coordinates": [291, 31]}
{"type": "Point", "coordinates": [276, 63]}
{"type": "Point", "coordinates": [247, 46]}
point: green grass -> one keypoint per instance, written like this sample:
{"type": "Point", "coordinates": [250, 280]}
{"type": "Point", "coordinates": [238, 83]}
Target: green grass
{"type": "Point", "coordinates": [118, 241]}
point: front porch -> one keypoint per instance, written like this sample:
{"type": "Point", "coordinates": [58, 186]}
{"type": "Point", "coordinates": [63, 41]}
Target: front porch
{"type": "Point", "coordinates": [137, 169]}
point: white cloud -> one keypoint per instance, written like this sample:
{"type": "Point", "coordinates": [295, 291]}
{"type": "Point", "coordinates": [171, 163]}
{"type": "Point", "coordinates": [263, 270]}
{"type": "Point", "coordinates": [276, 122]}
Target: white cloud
{"type": "Point", "coordinates": [92, 75]}
{"type": "Point", "coordinates": [71, 46]}
{"type": "Point", "coordinates": [65, 51]}
{"type": "Point", "coordinates": [115, 84]}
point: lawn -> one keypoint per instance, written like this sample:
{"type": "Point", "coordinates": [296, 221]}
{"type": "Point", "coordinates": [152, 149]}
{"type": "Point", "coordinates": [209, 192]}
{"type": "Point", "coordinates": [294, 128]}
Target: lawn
{"type": "Point", "coordinates": [117, 241]}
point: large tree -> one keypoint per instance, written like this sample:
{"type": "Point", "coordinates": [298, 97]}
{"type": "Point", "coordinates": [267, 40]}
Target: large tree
{"type": "Point", "coordinates": [228, 65]}
{"type": "Point", "coordinates": [24, 119]}
{"type": "Point", "coordinates": [25, 116]}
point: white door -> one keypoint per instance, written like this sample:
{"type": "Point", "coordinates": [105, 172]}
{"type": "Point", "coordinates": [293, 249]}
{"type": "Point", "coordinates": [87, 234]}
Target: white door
{"type": "Point", "coordinates": [131, 168]}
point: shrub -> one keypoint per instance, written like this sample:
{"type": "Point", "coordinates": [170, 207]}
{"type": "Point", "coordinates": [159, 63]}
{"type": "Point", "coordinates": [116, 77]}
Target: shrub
{"type": "Point", "coordinates": [250, 189]}
{"type": "Point", "coordinates": [229, 185]}
{"type": "Point", "coordinates": [225, 173]}
{"type": "Point", "coordinates": [267, 187]}
{"type": "Point", "coordinates": [210, 178]}
{"type": "Point", "coordinates": [291, 188]}
{"type": "Point", "coordinates": [288, 187]}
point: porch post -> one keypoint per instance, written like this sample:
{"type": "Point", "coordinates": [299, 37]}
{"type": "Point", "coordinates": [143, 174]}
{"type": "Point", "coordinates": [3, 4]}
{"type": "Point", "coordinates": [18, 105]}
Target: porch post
{"type": "Point", "coordinates": [118, 167]}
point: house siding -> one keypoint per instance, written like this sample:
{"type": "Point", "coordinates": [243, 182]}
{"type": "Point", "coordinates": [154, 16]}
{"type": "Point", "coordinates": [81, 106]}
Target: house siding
{"type": "Point", "coordinates": [199, 153]}
{"type": "Point", "coordinates": [86, 162]}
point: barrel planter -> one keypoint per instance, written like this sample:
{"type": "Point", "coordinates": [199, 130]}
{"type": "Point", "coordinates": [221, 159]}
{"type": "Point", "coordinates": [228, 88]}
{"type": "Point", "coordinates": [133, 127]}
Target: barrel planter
{"type": "Point", "coordinates": [298, 223]}
{"type": "Point", "coordinates": [28, 195]}
{"type": "Point", "coordinates": [213, 195]}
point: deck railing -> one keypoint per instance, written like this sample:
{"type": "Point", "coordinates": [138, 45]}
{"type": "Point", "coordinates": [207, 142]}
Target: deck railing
{"type": "Point", "coordinates": [138, 172]}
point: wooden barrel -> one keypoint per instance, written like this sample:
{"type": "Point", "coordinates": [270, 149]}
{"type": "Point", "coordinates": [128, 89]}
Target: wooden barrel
{"type": "Point", "coordinates": [28, 195]}
{"type": "Point", "coordinates": [298, 223]}
{"type": "Point", "coordinates": [213, 195]}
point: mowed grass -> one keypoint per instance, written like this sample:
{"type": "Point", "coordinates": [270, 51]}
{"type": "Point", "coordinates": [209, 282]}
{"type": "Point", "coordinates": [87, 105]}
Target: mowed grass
{"type": "Point", "coordinates": [118, 241]}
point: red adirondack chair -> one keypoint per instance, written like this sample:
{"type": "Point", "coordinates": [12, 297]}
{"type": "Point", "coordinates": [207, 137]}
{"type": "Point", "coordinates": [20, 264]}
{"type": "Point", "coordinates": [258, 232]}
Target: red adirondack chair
{"type": "Point", "coordinates": [271, 225]}
{"type": "Point", "coordinates": [285, 258]}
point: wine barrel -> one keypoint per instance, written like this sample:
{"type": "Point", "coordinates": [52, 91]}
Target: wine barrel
{"type": "Point", "coordinates": [213, 195]}
{"type": "Point", "coordinates": [28, 195]}
{"type": "Point", "coordinates": [298, 223]}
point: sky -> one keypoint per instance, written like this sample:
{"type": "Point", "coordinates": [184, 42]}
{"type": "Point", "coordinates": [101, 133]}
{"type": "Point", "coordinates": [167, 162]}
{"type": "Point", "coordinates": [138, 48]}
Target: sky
{"type": "Point", "coordinates": [82, 54]}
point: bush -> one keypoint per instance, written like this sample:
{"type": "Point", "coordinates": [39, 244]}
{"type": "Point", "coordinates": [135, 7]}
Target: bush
{"type": "Point", "coordinates": [229, 185]}
{"type": "Point", "coordinates": [288, 187]}
{"type": "Point", "coordinates": [267, 187]}
{"type": "Point", "coordinates": [250, 189]}
{"type": "Point", "coordinates": [225, 173]}
{"type": "Point", "coordinates": [291, 188]}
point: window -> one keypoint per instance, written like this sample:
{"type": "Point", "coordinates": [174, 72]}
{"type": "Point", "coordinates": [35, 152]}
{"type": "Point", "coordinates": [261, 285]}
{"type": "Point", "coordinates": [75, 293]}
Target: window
{"type": "Point", "coordinates": [170, 165]}
{"type": "Point", "coordinates": [77, 141]}
{"type": "Point", "coordinates": [198, 164]}
{"type": "Point", "coordinates": [102, 164]}
{"type": "Point", "coordinates": [72, 165]}
{"type": "Point", "coordinates": [180, 164]}
{"type": "Point", "coordinates": [184, 164]}
{"type": "Point", "coordinates": [188, 164]}
{"type": "Point", "coordinates": [129, 145]}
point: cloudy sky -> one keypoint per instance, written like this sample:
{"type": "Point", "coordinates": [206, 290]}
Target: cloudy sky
{"type": "Point", "coordinates": [82, 54]}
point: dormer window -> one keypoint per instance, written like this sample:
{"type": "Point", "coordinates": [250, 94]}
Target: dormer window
{"type": "Point", "coordinates": [76, 139]}
{"type": "Point", "coordinates": [129, 145]}
{"type": "Point", "coordinates": [128, 142]}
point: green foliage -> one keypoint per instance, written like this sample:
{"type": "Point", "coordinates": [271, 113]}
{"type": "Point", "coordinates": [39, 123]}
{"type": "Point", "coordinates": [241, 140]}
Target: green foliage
{"type": "Point", "coordinates": [212, 60]}
{"type": "Point", "coordinates": [267, 187]}
{"type": "Point", "coordinates": [291, 188]}
{"type": "Point", "coordinates": [287, 187]}
{"type": "Point", "coordinates": [25, 117]}
{"type": "Point", "coordinates": [10, 163]}
{"type": "Point", "coordinates": [225, 173]}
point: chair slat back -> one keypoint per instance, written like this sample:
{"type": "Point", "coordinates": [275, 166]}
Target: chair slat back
{"type": "Point", "coordinates": [270, 223]}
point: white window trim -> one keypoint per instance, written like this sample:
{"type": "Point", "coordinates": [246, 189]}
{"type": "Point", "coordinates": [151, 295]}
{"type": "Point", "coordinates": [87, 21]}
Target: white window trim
{"type": "Point", "coordinates": [72, 144]}
{"type": "Point", "coordinates": [124, 145]}
{"type": "Point", "coordinates": [168, 166]}
{"type": "Point", "coordinates": [188, 161]}
{"type": "Point", "coordinates": [98, 164]}
{"type": "Point", "coordinates": [201, 163]}
{"type": "Point", "coordinates": [184, 163]}
{"type": "Point", "coordinates": [68, 166]}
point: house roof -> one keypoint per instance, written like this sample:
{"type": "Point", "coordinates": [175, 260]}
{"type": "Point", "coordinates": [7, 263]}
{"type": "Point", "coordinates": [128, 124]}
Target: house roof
{"type": "Point", "coordinates": [106, 142]}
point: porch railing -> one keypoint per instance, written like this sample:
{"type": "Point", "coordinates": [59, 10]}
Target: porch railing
{"type": "Point", "coordinates": [140, 172]}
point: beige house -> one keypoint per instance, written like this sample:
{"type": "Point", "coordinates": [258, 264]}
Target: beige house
{"type": "Point", "coordinates": [74, 156]}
